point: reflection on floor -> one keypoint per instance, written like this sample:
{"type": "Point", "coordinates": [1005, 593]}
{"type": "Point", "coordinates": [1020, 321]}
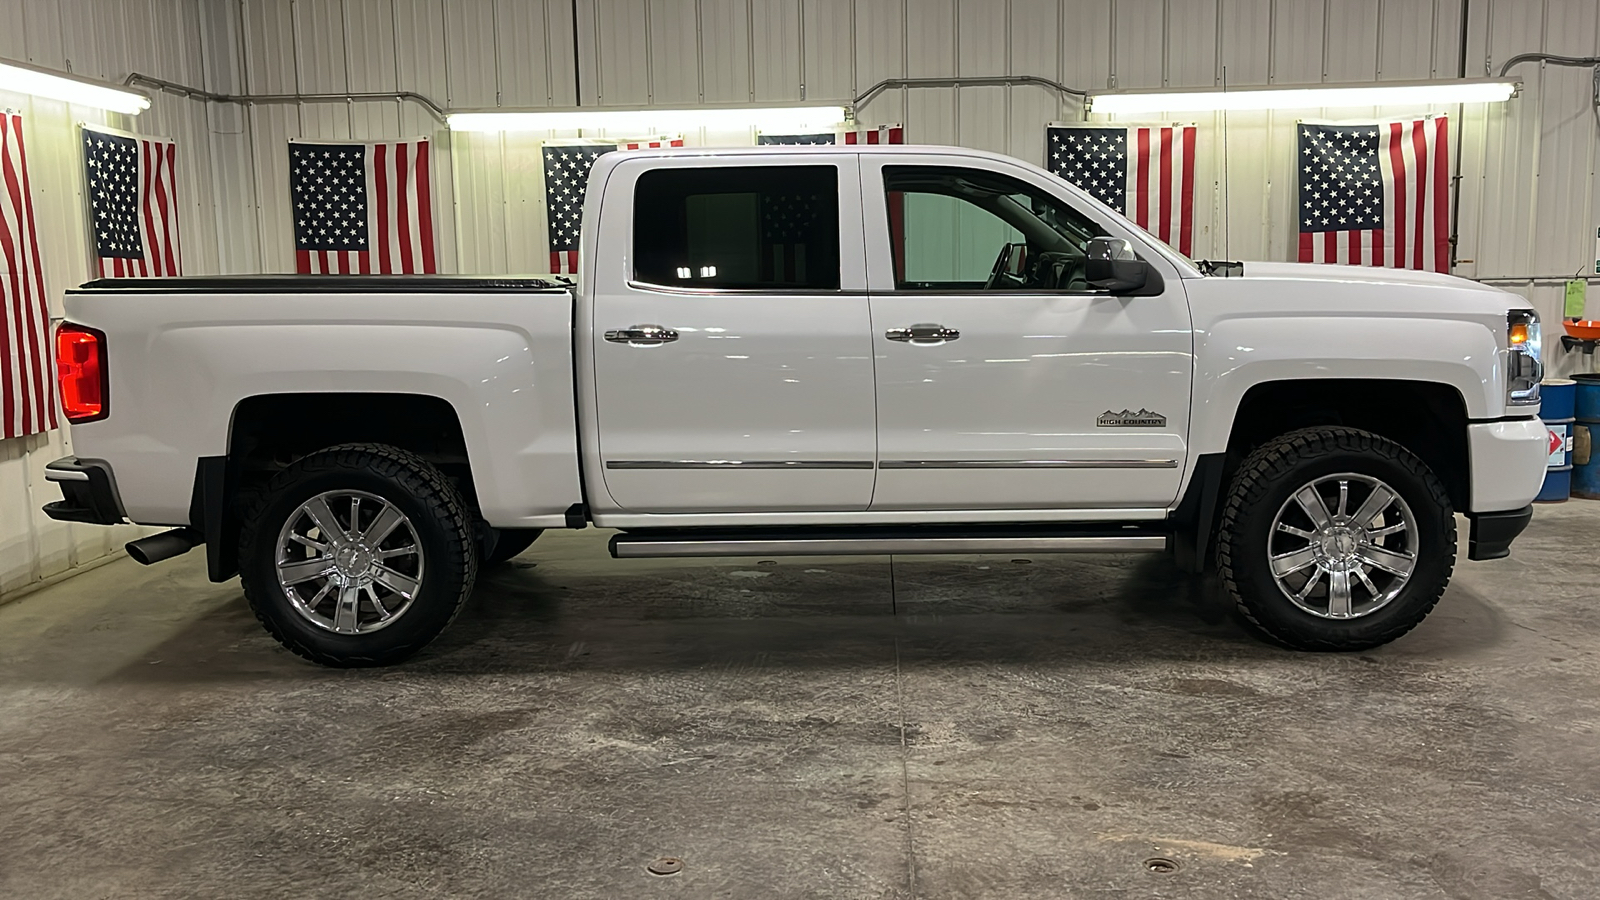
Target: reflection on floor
{"type": "Point", "coordinates": [959, 727]}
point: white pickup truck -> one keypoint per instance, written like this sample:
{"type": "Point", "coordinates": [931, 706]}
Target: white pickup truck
{"type": "Point", "coordinates": [791, 351]}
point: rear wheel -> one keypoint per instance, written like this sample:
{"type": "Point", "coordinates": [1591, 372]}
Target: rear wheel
{"type": "Point", "coordinates": [1335, 539]}
{"type": "Point", "coordinates": [358, 555]}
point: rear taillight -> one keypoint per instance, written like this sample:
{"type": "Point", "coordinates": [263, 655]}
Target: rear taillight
{"type": "Point", "coordinates": [81, 371]}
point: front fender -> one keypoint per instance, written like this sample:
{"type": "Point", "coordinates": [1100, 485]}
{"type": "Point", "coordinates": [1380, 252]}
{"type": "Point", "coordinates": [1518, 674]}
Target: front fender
{"type": "Point", "coordinates": [1238, 354]}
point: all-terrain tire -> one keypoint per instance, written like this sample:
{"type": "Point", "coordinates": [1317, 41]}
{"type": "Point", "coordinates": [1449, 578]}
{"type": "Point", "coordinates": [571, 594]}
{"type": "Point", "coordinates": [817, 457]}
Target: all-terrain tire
{"type": "Point", "coordinates": [1267, 480]}
{"type": "Point", "coordinates": [436, 513]}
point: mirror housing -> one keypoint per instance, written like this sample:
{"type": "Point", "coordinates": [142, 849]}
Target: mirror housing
{"type": "Point", "coordinates": [1110, 265]}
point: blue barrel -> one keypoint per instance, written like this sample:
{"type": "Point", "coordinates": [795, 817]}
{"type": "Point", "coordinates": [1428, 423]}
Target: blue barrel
{"type": "Point", "coordinates": [1585, 432]}
{"type": "Point", "coordinates": [1557, 398]}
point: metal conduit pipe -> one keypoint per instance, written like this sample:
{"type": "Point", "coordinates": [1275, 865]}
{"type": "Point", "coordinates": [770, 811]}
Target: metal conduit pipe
{"type": "Point", "coordinates": [250, 99]}
{"type": "Point", "coordinates": [969, 81]}
{"type": "Point", "coordinates": [1549, 58]}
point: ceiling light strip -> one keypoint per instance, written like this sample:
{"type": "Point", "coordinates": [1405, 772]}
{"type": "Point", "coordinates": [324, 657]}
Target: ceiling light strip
{"type": "Point", "coordinates": [1309, 96]}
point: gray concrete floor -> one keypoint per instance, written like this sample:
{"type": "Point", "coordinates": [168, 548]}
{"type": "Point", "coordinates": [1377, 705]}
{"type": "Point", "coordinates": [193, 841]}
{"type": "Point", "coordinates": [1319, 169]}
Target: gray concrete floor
{"type": "Point", "coordinates": [961, 727]}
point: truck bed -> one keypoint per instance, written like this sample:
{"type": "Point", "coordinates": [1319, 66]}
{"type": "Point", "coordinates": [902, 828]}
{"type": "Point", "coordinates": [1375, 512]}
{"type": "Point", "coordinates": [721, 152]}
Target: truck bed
{"type": "Point", "coordinates": [185, 352]}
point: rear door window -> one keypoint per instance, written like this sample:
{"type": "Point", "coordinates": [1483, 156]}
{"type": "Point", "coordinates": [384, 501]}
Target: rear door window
{"type": "Point", "coordinates": [747, 228]}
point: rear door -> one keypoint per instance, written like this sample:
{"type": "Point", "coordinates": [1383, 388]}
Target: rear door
{"type": "Point", "coordinates": [731, 340]}
{"type": "Point", "coordinates": [1003, 380]}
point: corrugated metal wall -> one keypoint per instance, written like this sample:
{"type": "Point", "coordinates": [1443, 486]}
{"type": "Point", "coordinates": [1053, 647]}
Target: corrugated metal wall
{"type": "Point", "coordinates": [102, 39]}
{"type": "Point", "coordinates": [1529, 196]}
{"type": "Point", "coordinates": [1528, 193]}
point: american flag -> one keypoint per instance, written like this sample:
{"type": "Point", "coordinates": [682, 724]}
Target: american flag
{"type": "Point", "coordinates": [883, 134]}
{"type": "Point", "coordinates": [133, 204]}
{"type": "Point", "coordinates": [566, 175]}
{"type": "Point", "coordinates": [362, 208]}
{"type": "Point", "coordinates": [788, 226]}
{"type": "Point", "coordinates": [1145, 172]}
{"type": "Point", "coordinates": [26, 398]}
{"type": "Point", "coordinates": [1376, 195]}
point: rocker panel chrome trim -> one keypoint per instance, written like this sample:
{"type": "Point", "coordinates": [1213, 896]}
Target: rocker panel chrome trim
{"type": "Point", "coordinates": [1028, 464]}
{"type": "Point", "coordinates": [738, 464]}
{"type": "Point", "coordinates": [626, 547]}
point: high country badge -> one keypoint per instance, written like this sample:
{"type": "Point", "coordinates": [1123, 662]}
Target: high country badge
{"type": "Point", "coordinates": [1144, 418]}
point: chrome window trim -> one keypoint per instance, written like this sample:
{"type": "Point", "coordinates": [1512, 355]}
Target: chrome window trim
{"type": "Point", "coordinates": [738, 464]}
{"type": "Point", "coordinates": [692, 291]}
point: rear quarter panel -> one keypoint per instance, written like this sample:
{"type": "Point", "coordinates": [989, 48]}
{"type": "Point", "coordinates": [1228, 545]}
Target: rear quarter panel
{"type": "Point", "coordinates": [181, 363]}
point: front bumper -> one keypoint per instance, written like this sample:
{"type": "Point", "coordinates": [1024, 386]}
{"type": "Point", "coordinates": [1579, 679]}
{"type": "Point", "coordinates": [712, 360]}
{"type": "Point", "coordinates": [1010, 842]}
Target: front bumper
{"type": "Point", "coordinates": [1508, 459]}
{"type": "Point", "coordinates": [88, 490]}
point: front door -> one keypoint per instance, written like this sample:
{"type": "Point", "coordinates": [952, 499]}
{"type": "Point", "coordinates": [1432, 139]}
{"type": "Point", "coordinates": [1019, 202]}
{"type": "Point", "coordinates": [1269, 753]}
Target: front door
{"type": "Point", "coordinates": [1003, 380]}
{"type": "Point", "coordinates": [731, 345]}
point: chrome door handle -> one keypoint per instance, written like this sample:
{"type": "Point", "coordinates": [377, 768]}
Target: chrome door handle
{"type": "Point", "coordinates": [642, 335]}
{"type": "Point", "coordinates": [923, 333]}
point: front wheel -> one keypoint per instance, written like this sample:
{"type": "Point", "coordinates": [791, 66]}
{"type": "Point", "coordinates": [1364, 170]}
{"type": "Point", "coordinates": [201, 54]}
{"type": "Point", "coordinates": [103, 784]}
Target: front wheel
{"type": "Point", "coordinates": [357, 555]}
{"type": "Point", "coordinates": [1335, 539]}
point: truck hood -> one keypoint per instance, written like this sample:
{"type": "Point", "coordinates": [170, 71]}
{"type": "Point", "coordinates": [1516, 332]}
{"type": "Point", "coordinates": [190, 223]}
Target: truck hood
{"type": "Point", "coordinates": [1366, 275]}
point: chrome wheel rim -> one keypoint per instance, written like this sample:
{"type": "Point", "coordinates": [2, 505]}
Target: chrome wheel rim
{"type": "Point", "coordinates": [349, 562]}
{"type": "Point", "coordinates": [1343, 546]}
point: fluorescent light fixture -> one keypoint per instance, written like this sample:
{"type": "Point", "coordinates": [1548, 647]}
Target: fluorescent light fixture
{"type": "Point", "coordinates": [21, 78]}
{"type": "Point", "coordinates": [1307, 96]}
{"type": "Point", "coordinates": [781, 119]}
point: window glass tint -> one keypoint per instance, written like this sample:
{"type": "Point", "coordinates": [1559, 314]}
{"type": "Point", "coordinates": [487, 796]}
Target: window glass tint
{"type": "Point", "coordinates": [750, 227]}
{"type": "Point", "coordinates": [966, 229]}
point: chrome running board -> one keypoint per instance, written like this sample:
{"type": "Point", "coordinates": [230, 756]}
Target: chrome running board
{"type": "Point", "coordinates": [681, 544]}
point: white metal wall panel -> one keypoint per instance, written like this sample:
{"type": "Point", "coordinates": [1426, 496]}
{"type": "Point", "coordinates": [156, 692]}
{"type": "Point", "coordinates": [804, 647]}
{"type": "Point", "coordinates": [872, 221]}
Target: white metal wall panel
{"type": "Point", "coordinates": [674, 52]}
{"type": "Point", "coordinates": [880, 53]}
{"type": "Point", "coordinates": [1245, 37]}
{"type": "Point", "coordinates": [471, 52]}
{"type": "Point", "coordinates": [535, 69]}
{"type": "Point", "coordinates": [775, 48]}
{"type": "Point", "coordinates": [1567, 140]}
{"type": "Point", "coordinates": [1351, 49]}
{"type": "Point", "coordinates": [1298, 46]}
{"type": "Point", "coordinates": [725, 51]}
{"type": "Point", "coordinates": [829, 52]}
{"type": "Point", "coordinates": [621, 41]}
{"type": "Point", "coordinates": [1138, 49]}
{"type": "Point", "coordinates": [1192, 37]}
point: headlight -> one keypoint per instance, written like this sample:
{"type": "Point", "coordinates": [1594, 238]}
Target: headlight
{"type": "Point", "coordinates": [1523, 369]}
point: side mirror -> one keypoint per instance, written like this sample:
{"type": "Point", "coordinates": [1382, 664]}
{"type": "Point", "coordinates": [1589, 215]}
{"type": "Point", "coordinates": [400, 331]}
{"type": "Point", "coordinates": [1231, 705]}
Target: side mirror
{"type": "Point", "coordinates": [1111, 266]}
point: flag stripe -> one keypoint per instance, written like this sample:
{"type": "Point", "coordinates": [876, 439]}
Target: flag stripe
{"type": "Point", "coordinates": [425, 206]}
{"type": "Point", "coordinates": [402, 230]}
{"type": "Point", "coordinates": [1441, 207]}
{"type": "Point", "coordinates": [27, 399]}
{"type": "Point", "coordinates": [1185, 191]}
{"type": "Point", "coordinates": [29, 374]}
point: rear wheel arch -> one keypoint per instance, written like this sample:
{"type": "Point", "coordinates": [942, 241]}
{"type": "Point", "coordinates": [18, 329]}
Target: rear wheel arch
{"type": "Point", "coordinates": [269, 432]}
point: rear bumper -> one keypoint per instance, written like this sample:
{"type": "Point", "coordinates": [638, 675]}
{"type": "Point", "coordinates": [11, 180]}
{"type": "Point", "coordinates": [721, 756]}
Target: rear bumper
{"type": "Point", "coordinates": [88, 491]}
{"type": "Point", "coordinates": [1492, 533]}
{"type": "Point", "coordinates": [1508, 461]}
